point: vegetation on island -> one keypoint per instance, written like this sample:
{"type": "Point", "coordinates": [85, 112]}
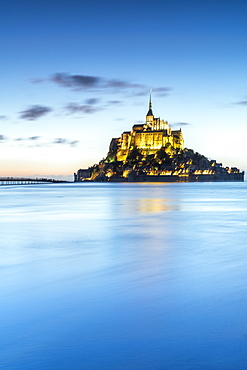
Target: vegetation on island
{"type": "Point", "coordinates": [165, 161]}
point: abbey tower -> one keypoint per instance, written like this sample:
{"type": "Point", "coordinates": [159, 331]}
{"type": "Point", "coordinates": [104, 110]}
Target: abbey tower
{"type": "Point", "coordinates": [148, 137]}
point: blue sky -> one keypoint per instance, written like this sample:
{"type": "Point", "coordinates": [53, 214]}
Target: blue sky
{"type": "Point", "coordinates": [77, 73]}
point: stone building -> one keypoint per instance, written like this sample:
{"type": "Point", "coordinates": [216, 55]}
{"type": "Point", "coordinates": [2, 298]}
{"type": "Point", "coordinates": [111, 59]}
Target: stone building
{"type": "Point", "coordinates": [147, 137]}
{"type": "Point", "coordinates": [83, 174]}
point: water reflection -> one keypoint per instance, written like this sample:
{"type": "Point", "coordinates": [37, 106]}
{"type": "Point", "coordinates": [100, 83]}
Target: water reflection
{"type": "Point", "coordinates": [147, 205]}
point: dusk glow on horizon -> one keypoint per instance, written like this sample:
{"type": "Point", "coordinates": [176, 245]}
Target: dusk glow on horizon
{"type": "Point", "coordinates": [76, 74]}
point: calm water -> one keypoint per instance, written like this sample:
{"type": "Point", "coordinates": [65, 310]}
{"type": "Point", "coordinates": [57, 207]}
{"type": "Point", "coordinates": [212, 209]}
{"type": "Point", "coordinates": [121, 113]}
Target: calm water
{"type": "Point", "coordinates": [123, 276]}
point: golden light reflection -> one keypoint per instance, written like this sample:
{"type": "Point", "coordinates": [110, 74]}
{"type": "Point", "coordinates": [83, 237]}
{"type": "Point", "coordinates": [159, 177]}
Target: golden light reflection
{"type": "Point", "coordinates": [151, 205]}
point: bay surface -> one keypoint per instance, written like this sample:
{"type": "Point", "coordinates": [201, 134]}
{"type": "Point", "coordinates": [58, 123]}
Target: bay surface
{"type": "Point", "coordinates": [123, 276]}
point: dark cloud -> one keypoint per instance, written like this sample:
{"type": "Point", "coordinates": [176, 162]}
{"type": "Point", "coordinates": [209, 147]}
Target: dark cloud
{"type": "Point", "coordinates": [3, 118]}
{"type": "Point", "coordinates": [60, 141]}
{"type": "Point", "coordinates": [82, 108]}
{"type": "Point", "coordinates": [37, 80]}
{"type": "Point", "coordinates": [34, 138]}
{"type": "Point", "coordinates": [158, 91]}
{"type": "Point", "coordinates": [140, 93]}
{"type": "Point", "coordinates": [243, 102]}
{"type": "Point", "coordinates": [161, 91]}
{"type": "Point", "coordinates": [180, 124]}
{"type": "Point", "coordinates": [114, 102]}
{"type": "Point", "coordinates": [92, 101]}
{"type": "Point", "coordinates": [34, 112]}
{"type": "Point", "coordinates": [39, 141]}
{"type": "Point", "coordinates": [81, 82]}
{"type": "Point", "coordinates": [37, 145]}
{"type": "Point", "coordinates": [74, 142]}
{"type": "Point", "coordinates": [76, 81]}
{"type": "Point", "coordinates": [90, 107]}
{"type": "Point", "coordinates": [119, 84]}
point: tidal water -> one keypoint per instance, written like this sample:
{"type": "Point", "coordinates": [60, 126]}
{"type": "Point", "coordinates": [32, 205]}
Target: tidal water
{"type": "Point", "coordinates": [123, 276]}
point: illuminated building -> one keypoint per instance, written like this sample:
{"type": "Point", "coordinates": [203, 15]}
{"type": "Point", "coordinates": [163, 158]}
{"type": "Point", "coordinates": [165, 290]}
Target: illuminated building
{"type": "Point", "coordinates": [153, 152]}
{"type": "Point", "coordinates": [147, 137]}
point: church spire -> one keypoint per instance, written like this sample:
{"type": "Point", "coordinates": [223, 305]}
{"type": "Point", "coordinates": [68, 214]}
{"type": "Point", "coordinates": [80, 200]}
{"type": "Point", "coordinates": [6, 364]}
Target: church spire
{"type": "Point", "coordinates": [150, 101]}
{"type": "Point", "coordinates": [150, 111]}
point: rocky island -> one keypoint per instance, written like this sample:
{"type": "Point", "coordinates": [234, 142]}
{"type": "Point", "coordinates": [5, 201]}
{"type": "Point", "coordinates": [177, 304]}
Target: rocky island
{"type": "Point", "coordinates": [153, 152]}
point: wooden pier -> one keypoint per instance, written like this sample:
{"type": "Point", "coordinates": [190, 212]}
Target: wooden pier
{"type": "Point", "coordinates": [26, 181]}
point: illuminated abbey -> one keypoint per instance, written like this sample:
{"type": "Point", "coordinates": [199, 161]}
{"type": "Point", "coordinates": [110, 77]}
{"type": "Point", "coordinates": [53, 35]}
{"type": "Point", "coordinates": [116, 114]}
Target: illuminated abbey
{"type": "Point", "coordinates": [147, 137]}
{"type": "Point", "coordinates": [153, 152]}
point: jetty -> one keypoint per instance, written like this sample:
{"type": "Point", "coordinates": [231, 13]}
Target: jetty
{"type": "Point", "coordinates": [27, 181]}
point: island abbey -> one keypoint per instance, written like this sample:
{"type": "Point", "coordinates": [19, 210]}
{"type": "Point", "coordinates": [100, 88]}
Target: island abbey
{"type": "Point", "coordinates": [152, 151]}
{"type": "Point", "coordinates": [147, 137]}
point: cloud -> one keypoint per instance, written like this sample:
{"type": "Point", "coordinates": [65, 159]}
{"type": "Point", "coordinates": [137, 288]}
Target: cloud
{"type": "Point", "coordinates": [84, 82]}
{"type": "Point", "coordinates": [114, 102]}
{"type": "Point", "coordinates": [60, 141]}
{"type": "Point", "coordinates": [243, 102]}
{"type": "Point", "coordinates": [80, 82]}
{"type": "Point", "coordinates": [82, 108]}
{"type": "Point", "coordinates": [3, 118]}
{"type": "Point", "coordinates": [90, 107]}
{"type": "Point", "coordinates": [34, 112]}
{"type": "Point", "coordinates": [34, 138]}
{"type": "Point", "coordinates": [37, 145]}
{"type": "Point", "coordinates": [158, 91]}
{"type": "Point", "coordinates": [92, 101]}
{"type": "Point", "coordinates": [25, 141]}
{"type": "Point", "coordinates": [74, 142]}
{"type": "Point", "coordinates": [162, 91]}
{"type": "Point", "coordinates": [98, 85]}
{"type": "Point", "coordinates": [180, 124]}
{"type": "Point", "coordinates": [37, 80]}
{"type": "Point", "coordinates": [140, 93]}
{"type": "Point", "coordinates": [37, 141]}
{"type": "Point", "coordinates": [75, 81]}
{"type": "Point", "coordinates": [119, 84]}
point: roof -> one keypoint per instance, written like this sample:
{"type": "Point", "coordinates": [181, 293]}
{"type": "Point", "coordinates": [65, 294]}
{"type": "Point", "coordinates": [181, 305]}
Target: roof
{"type": "Point", "coordinates": [137, 127]}
{"type": "Point", "coordinates": [150, 112]}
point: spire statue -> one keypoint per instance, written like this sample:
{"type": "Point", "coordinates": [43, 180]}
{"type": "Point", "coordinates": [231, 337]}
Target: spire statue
{"type": "Point", "coordinates": [150, 101]}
